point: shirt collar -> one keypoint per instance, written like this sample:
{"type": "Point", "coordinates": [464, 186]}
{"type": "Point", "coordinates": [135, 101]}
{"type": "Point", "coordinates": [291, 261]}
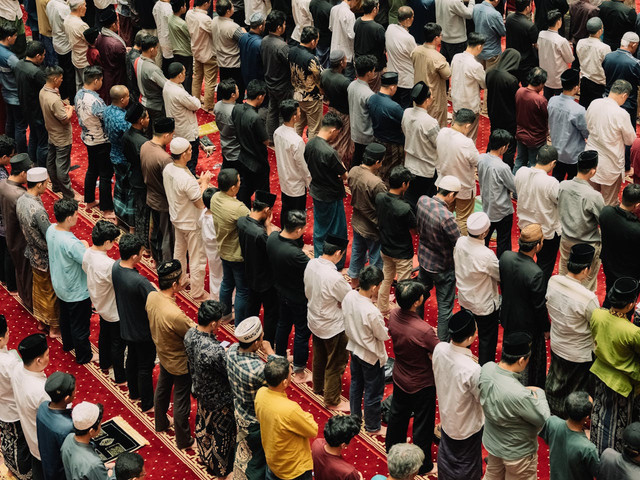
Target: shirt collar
{"type": "Point", "coordinates": [440, 201]}
{"type": "Point", "coordinates": [53, 90]}
{"type": "Point", "coordinates": [463, 351]}
{"type": "Point", "coordinates": [328, 263]}
{"type": "Point", "coordinates": [34, 374]}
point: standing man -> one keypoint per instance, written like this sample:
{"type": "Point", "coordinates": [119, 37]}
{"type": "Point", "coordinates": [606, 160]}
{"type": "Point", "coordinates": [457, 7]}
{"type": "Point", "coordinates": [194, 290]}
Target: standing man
{"type": "Point", "coordinates": [555, 53]}
{"type": "Point", "coordinates": [532, 119]}
{"type": "Point", "coordinates": [400, 44]}
{"type": "Point", "coordinates": [335, 86]}
{"type": "Point", "coordinates": [617, 19]}
{"type": "Point", "coordinates": [150, 78]}
{"type": "Point", "coordinates": [591, 52]}
{"type": "Point", "coordinates": [320, 13]}
{"type": "Point", "coordinates": [74, 28]}
{"type": "Point", "coordinates": [452, 15]}
{"type": "Point", "coordinates": [522, 35]}
{"type": "Point", "coordinates": [341, 23]}
{"type": "Point", "coordinates": [358, 95]}
{"type": "Point", "coordinates": [181, 41]}
{"type": "Point", "coordinates": [113, 53]}
{"type": "Point", "coordinates": [57, 12]}
{"type": "Point", "coordinates": [16, 126]}
{"type": "Point", "coordinates": [488, 22]}
{"type": "Point", "coordinates": [370, 39]}
{"type": "Point", "coordinates": [226, 33]}
{"type": "Point", "coordinates": [205, 65]}
{"type": "Point", "coordinates": [226, 94]}
{"type": "Point", "coordinates": [249, 44]}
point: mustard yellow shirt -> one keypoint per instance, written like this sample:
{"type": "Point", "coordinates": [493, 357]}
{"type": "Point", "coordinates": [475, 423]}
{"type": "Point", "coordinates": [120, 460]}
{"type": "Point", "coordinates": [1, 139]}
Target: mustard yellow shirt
{"type": "Point", "coordinates": [286, 430]}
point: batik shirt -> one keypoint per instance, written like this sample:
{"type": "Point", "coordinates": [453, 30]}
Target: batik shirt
{"type": "Point", "coordinates": [34, 221]}
{"type": "Point", "coordinates": [90, 110]}
{"type": "Point", "coordinates": [115, 127]}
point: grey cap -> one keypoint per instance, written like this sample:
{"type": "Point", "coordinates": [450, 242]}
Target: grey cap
{"type": "Point", "coordinates": [594, 25]}
{"type": "Point", "coordinates": [336, 56]}
{"type": "Point", "coordinates": [256, 19]}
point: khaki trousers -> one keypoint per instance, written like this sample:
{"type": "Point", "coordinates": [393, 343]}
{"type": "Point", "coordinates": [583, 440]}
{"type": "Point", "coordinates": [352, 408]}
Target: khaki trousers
{"type": "Point", "coordinates": [609, 192]}
{"type": "Point", "coordinates": [330, 357]}
{"type": "Point", "coordinates": [565, 249]}
{"type": "Point", "coordinates": [464, 209]}
{"type": "Point", "coordinates": [392, 267]}
{"type": "Point", "coordinates": [191, 241]}
{"type": "Point", "coordinates": [209, 72]}
{"type": "Point", "coordinates": [311, 116]}
{"type": "Point", "coordinates": [521, 469]}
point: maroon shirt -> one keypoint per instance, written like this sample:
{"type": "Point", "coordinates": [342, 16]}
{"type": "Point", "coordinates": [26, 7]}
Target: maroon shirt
{"type": "Point", "coordinates": [330, 467]}
{"type": "Point", "coordinates": [413, 340]}
{"type": "Point", "coordinates": [532, 118]}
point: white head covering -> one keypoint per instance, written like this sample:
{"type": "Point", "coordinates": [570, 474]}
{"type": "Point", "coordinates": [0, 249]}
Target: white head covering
{"type": "Point", "coordinates": [85, 415]}
{"type": "Point", "coordinates": [478, 223]}
{"type": "Point", "coordinates": [179, 145]}
{"type": "Point", "coordinates": [450, 183]}
{"type": "Point", "coordinates": [249, 330]}
{"type": "Point", "coordinates": [37, 174]}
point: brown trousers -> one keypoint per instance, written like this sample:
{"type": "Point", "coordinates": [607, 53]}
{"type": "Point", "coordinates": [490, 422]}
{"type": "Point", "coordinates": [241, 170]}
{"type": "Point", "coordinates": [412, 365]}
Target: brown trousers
{"type": "Point", "coordinates": [330, 357]}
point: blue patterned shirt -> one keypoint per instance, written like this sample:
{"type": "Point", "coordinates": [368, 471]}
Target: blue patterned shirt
{"type": "Point", "coordinates": [115, 127]}
{"type": "Point", "coordinates": [90, 111]}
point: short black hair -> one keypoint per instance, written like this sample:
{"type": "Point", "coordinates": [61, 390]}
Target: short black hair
{"type": "Point", "coordinates": [128, 465]}
{"type": "Point", "coordinates": [294, 219]}
{"type": "Point", "coordinates": [288, 108]}
{"type": "Point", "coordinates": [365, 64]}
{"type": "Point", "coordinates": [227, 179]}
{"type": "Point", "coordinates": [95, 425]}
{"type": "Point", "coordinates": [223, 6]}
{"type": "Point", "coordinates": [276, 370]}
{"type": "Point", "coordinates": [59, 396]}
{"type": "Point", "coordinates": [571, 83]}
{"type": "Point", "coordinates": [553, 16]}
{"type": "Point", "coordinates": [148, 42]}
{"type": "Point", "coordinates": [499, 138]}
{"type": "Point", "coordinates": [199, 3]}
{"type": "Point", "coordinates": [275, 19]}
{"type": "Point", "coordinates": [258, 206]}
{"type": "Point", "coordinates": [513, 359]}
{"type": "Point", "coordinates": [7, 30]}
{"type": "Point", "coordinates": [54, 71]}
{"type": "Point", "coordinates": [578, 406]}
{"type": "Point", "coordinates": [64, 208]}
{"type": "Point", "coordinates": [34, 48]}
{"type": "Point", "coordinates": [226, 88]}
{"type": "Point", "coordinates": [206, 196]}
{"type": "Point", "coordinates": [431, 31]}
{"type": "Point", "coordinates": [7, 146]}
{"type": "Point", "coordinates": [369, 6]}
{"type": "Point", "coordinates": [576, 268]}
{"type": "Point", "coordinates": [631, 195]}
{"type": "Point", "coordinates": [176, 5]}
{"type": "Point", "coordinates": [331, 248]}
{"type": "Point", "coordinates": [137, 40]}
{"type": "Point", "coordinates": [340, 429]}
{"type": "Point", "coordinates": [546, 155]}
{"type": "Point", "coordinates": [332, 120]}
{"type": "Point", "coordinates": [103, 232]}
{"type": "Point", "coordinates": [370, 276]}
{"type": "Point", "coordinates": [130, 245]}
{"type": "Point", "coordinates": [474, 39]}
{"type": "Point", "coordinates": [256, 88]}
{"type": "Point", "coordinates": [521, 5]}
{"type": "Point", "coordinates": [409, 292]}
{"type": "Point", "coordinates": [537, 76]}
{"type": "Point", "coordinates": [399, 175]}
{"type": "Point", "coordinates": [3, 325]}
{"type": "Point", "coordinates": [309, 34]}
{"type": "Point", "coordinates": [210, 311]}
{"type": "Point", "coordinates": [464, 116]}
{"type": "Point", "coordinates": [527, 246]}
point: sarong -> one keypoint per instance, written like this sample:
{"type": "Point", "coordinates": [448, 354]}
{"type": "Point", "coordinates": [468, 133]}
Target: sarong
{"type": "Point", "coordinates": [460, 458]}
{"type": "Point", "coordinates": [566, 377]}
{"type": "Point", "coordinates": [123, 197]}
{"type": "Point", "coordinates": [610, 415]}
{"type": "Point", "coordinates": [393, 157]}
{"type": "Point", "coordinates": [142, 216]}
{"type": "Point", "coordinates": [250, 462]}
{"type": "Point", "coordinates": [45, 302]}
{"type": "Point", "coordinates": [15, 450]}
{"type": "Point", "coordinates": [536, 372]}
{"type": "Point", "coordinates": [216, 438]}
{"type": "Point", "coordinates": [343, 143]}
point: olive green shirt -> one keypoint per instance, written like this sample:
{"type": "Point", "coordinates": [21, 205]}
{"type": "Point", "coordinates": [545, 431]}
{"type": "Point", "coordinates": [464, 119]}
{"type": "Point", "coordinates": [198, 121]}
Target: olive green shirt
{"type": "Point", "coordinates": [226, 211]}
{"type": "Point", "coordinates": [179, 36]}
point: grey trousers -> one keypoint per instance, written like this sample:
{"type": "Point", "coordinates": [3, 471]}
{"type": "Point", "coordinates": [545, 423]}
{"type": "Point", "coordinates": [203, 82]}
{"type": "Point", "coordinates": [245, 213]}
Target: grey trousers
{"type": "Point", "coordinates": [58, 164]}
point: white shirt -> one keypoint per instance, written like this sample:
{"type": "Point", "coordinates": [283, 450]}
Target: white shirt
{"type": "Point", "coordinates": [538, 200]}
{"type": "Point", "coordinates": [302, 17]}
{"type": "Point", "coordinates": [28, 388]}
{"type": "Point", "coordinates": [570, 307]}
{"type": "Point", "coordinates": [182, 191]}
{"type": "Point", "coordinates": [292, 168]}
{"type": "Point", "coordinates": [324, 288]}
{"type": "Point", "coordinates": [610, 130]}
{"type": "Point", "coordinates": [57, 11]}
{"type": "Point", "coordinates": [209, 237]}
{"type": "Point", "coordinates": [555, 53]}
{"type": "Point", "coordinates": [9, 361]}
{"type": "Point", "coordinates": [591, 53]}
{"type": "Point", "coordinates": [364, 326]}
{"type": "Point", "coordinates": [477, 276]}
{"type": "Point", "coordinates": [199, 25]}
{"type": "Point", "coordinates": [10, 10]}
{"type": "Point", "coordinates": [457, 373]}
{"type": "Point", "coordinates": [341, 22]}
{"type": "Point", "coordinates": [97, 265]}
{"type": "Point", "coordinates": [420, 132]}
{"type": "Point", "coordinates": [253, 6]}
{"type": "Point", "coordinates": [161, 12]}
{"type": "Point", "coordinates": [400, 43]}
{"type": "Point", "coordinates": [182, 107]}
{"type": "Point", "coordinates": [460, 160]}
{"type": "Point", "coordinates": [467, 78]}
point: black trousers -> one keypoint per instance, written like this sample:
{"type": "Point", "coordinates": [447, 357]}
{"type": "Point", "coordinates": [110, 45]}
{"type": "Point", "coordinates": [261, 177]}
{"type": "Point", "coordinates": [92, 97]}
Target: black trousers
{"type": "Point", "coordinates": [487, 336]}
{"type": "Point", "coordinates": [111, 349]}
{"type": "Point", "coordinates": [250, 182]}
{"type": "Point", "coordinates": [292, 203]}
{"type": "Point", "coordinates": [503, 228]}
{"type": "Point", "coordinates": [546, 258]}
{"type": "Point", "coordinates": [403, 97]}
{"type": "Point", "coordinates": [549, 92]}
{"type": "Point", "coordinates": [100, 166]}
{"type": "Point", "coordinates": [68, 87]}
{"type": "Point", "coordinates": [564, 169]}
{"type": "Point", "coordinates": [590, 91]}
{"type": "Point", "coordinates": [358, 154]}
{"type": "Point", "coordinates": [450, 49]}
{"type": "Point", "coordinates": [236, 74]}
{"type": "Point", "coordinates": [181, 385]}
{"type": "Point", "coordinates": [75, 318]}
{"type": "Point", "coordinates": [423, 405]}
{"type": "Point", "coordinates": [161, 237]}
{"type": "Point", "coordinates": [268, 299]}
{"type": "Point", "coordinates": [141, 357]}
{"type": "Point", "coordinates": [187, 62]}
{"type": "Point", "coordinates": [7, 270]}
{"type": "Point", "coordinates": [420, 186]}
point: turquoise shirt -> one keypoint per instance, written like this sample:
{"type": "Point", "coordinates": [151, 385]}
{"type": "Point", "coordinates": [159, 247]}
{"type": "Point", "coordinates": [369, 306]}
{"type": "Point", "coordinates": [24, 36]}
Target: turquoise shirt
{"type": "Point", "coordinates": [65, 263]}
{"type": "Point", "coordinates": [81, 461]}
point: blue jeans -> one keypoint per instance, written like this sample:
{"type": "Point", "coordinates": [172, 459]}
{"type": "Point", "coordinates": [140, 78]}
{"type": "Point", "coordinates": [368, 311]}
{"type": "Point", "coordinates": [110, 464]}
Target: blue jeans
{"type": "Point", "coordinates": [328, 219]}
{"type": "Point", "coordinates": [359, 249]}
{"type": "Point", "coordinates": [51, 57]}
{"type": "Point", "coordinates": [293, 314]}
{"type": "Point", "coordinates": [16, 127]}
{"type": "Point", "coordinates": [366, 379]}
{"type": "Point", "coordinates": [526, 156]}
{"type": "Point", "coordinates": [233, 277]}
{"type": "Point", "coordinates": [445, 284]}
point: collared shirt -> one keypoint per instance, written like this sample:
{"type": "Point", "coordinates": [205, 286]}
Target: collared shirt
{"type": "Point", "coordinates": [341, 22]}
{"type": "Point", "coordinates": [226, 211]}
{"type": "Point", "coordinates": [477, 276]}
{"type": "Point", "coordinates": [8, 60]}
{"type": "Point", "coordinates": [579, 207]}
{"type": "Point", "coordinates": [460, 159]}
{"type": "Point", "coordinates": [80, 460]}
{"type": "Point", "coordinates": [488, 21]}
{"type": "Point", "coordinates": [400, 43]}
{"type": "Point", "coordinates": [365, 186]}
{"type": "Point", "coordinates": [532, 117]}
{"type": "Point", "coordinates": [513, 414]}
{"type": "Point", "coordinates": [288, 263]}
{"type": "Point", "coordinates": [74, 27]}
{"type": "Point", "coordinates": [28, 390]}
{"type": "Point", "coordinates": [9, 362]}
{"type": "Point", "coordinates": [57, 11]}
{"type": "Point", "coordinates": [335, 86]}
{"type": "Point", "coordinates": [132, 141]}
{"type": "Point", "coordinates": [555, 53]}
{"type": "Point", "coordinates": [370, 40]}
{"type": "Point", "coordinates": [305, 74]}
{"type": "Point", "coordinates": [98, 267]}
{"type": "Point", "coordinates": [293, 173]}
{"type": "Point", "coordinates": [623, 65]}
{"type": "Point", "coordinates": [253, 6]}
{"type": "Point", "coordinates": [432, 68]}
{"type": "Point", "coordinates": [253, 237]}
{"type": "Point", "coordinates": [570, 306]}
{"type": "Point", "coordinates": [66, 252]}
{"type": "Point", "coordinates": [199, 25]}
{"type": "Point", "coordinates": [467, 78]}
{"type": "Point", "coordinates": [228, 140]}
{"type": "Point", "coordinates": [302, 17]}
{"type": "Point", "coordinates": [386, 118]}
{"type": "Point", "coordinates": [252, 135]}
{"type": "Point", "coordinates": [115, 127]}
{"type": "Point", "coordinates": [182, 190]}
{"type": "Point", "coordinates": [620, 234]}
{"type": "Point", "coordinates": [153, 159]}
{"type": "Point", "coordinates": [30, 78]}
{"type": "Point", "coordinates": [610, 130]}
{"type": "Point", "coordinates": [420, 132]}
{"type": "Point", "coordinates": [457, 374]}
{"type": "Point", "coordinates": [359, 118]}
{"type": "Point", "coordinates": [179, 35]}
{"type": "Point", "coordinates": [581, 12]}
{"type": "Point", "coordinates": [161, 12]}
{"type": "Point", "coordinates": [438, 232]}
{"type": "Point", "coordinates": [131, 290]}
{"type": "Point", "coordinates": [151, 81]}
{"type": "Point", "coordinates": [182, 107]}
{"type": "Point", "coordinates": [591, 53]}
{"type": "Point", "coordinates": [10, 10]}
{"type": "Point", "coordinates": [34, 222]}
{"type": "Point", "coordinates": [226, 33]}
{"type": "Point", "coordinates": [326, 170]}
{"type": "Point", "coordinates": [250, 59]}
{"type": "Point", "coordinates": [365, 329]}
{"type": "Point", "coordinates": [451, 16]}
{"type": "Point", "coordinates": [275, 59]}
{"type": "Point", "coordinates": [567, 127]}
{"type": "Point", "coordinates": [615, 465]}
{"type": "Point", "coordinates": [52, 426]}
{"type": "Point", "coordinates": [538, 200]}
{"type": "Point", "coordinates": [522, 35]}
{"type": "Point", "coordinates": [496, 182]}
{"type": "Point", "coordinates": [396, 219]}
{"type": "Point", "coordinates": [54, 113]}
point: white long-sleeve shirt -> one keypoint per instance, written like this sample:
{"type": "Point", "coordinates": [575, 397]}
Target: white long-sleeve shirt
{"type": "Point", "coordinates": [538, 200]}
{"type": "Point", "coordinates": [420, 132]}
{"type": "Point", "coordinates": [364, 326]}
{"type": "Point", "coordinates": [555, 54]}
{"type": "Point", "coordinates": [477, 276]}
{"type": "Point", "coordinates": [467, 78]}
{"type": "Point", "coordinates": [28, 389]}
{"type": "Point", "coordinates": [458, 157]}
{"type": "Point", "coordinates": [57, 11]}
{"type": "Point", "coordinates": [9, 362]}
{"type": "Point", "coordinates": [341, 22]}
{"type": "Point", "coordinates": [161, 12]}
{"type": "Point", "coordinates": [302, 17]}
{"type": "Point", "coordinates": [182, 107]}
{"type": "Point", "coordinates": [293, 172]}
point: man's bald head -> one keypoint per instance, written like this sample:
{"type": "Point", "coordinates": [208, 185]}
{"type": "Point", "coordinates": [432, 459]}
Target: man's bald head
{"type": "Point", "coordinates": [119, 95]}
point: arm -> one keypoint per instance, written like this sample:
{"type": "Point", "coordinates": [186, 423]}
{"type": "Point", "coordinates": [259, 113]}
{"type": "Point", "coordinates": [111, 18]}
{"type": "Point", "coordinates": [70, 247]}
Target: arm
{"type": "Point", "coordinates": [190, 102]}
{"type": "Point", "coordinates": [538, 298]}
{"type": "Point", "coordinates": [479, 76]}
{"type": "Point", "coordinates": [444, 69]}
{"type": "Point", "coordinates": [451, 230]}
{"type": "Point", "coordinates": [508, 180]}
{"type": "Point", "coordinates": [462, 10]}
{"type": "Point", "coordinates": [303, 424]}
{"type": "Point", "coordinates": [628, 131]}
{"type": "Point", "coordinates": [42, 219]}
{"type": "Point", "coordinates": [378, 329]}
{"type": "Point", "coordinates": [159, 78]}
{"type": "Point", "coordinates": [580, 123]}
{"type": "Point", "coordinates": [350, 21]}
{"type": "Point", "coordinates": [566, 52]}
{"type": "Point", "coordinates": [498, 26]}
{"type": "Point", "coordinates": [534, 408]}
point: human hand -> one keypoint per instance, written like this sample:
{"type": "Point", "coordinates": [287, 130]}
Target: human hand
{"type": "Point", "coordinates": [266, 348]}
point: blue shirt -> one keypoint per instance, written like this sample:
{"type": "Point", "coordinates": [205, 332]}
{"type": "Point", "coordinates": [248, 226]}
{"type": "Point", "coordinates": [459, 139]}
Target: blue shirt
{"type": "Point", "coordinates": [65, 263]}
{"type": "Point", "coordinates": [115, 127]}
{"type": "Point", "coordinates": [496, 181]}
{"type": "Point", "coordinates": [568, 127]}
{"type": "Point", "coordinates": [250, 59]}
{"type": "Point", "coordinates": [620, 64]}
{"type": "Point", "coordinates": [8, 60]}
{"type": "Point", "coordinates": [386, 117]}
{"type": "Point", "coordinates": [489, 22]}
{"type": "Point", "coordinates": [81, 461]}
{"type": "Point", "coordinates": [53, 426]}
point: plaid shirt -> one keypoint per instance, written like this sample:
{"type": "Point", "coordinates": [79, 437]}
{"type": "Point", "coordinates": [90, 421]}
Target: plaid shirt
{"type": "Point", "coordinates": [438, 232]}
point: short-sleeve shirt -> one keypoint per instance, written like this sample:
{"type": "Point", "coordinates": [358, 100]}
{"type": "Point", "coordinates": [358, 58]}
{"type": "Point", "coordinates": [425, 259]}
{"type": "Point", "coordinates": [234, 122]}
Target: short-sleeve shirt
{"type": "Point", "coordinates": [182, 190]}
{"type": "Point", "coordinates": [131, 291]}
{"type": "Point", "coordinates": [66, 252]}
{"type": "Point", "coordinates": [370, 40]}
{"type": "Point", "coordinates": [326, 170]}
{"type": "Point", "coordinates": [153, 159]}
{"type": "Point", "coordinates": [54, 114]}
{"type": "Point", "coordinates": [330, 467]}
{"type": "Point", "coordinates": [395, 220]}
{"type": "Point", "coordinates": [251, 134]}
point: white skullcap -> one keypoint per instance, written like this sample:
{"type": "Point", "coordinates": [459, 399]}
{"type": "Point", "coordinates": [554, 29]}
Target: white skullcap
{"type": "Point", "coordinates": [85, 415]}
{"type": "Point", "coordinates": [249, 330]}
{"type": "Point", "coordinates": [37, 174]}
{"type": "Point", "coordinates": [478, 223]}
{"type": "Point", "coordinates": [630, 37]}
{"type": "Point", "coordinates": [179, 145]}
{"type": "Point", "coordinates": [450, 183]}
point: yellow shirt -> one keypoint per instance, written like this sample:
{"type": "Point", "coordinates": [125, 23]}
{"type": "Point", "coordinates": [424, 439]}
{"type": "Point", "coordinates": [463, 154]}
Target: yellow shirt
{"type": "Point", "coordinates": [226, 212]}
{"type": "Point", "coordinates": [286, 430]}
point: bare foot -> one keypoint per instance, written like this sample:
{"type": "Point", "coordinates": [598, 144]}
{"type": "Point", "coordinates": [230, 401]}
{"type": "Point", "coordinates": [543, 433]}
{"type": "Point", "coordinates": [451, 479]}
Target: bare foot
{"type": "Point", "coordinates": [54, 332]}
{"type": "Point", "coordinates": [193, 441]}
{"type": "Point", "coordinates": [150, 411]}
{"type": "Point", "coordinates": [94, 357]}
{"type": "Point", "coordinates": [382, 432]}
{"type": "Point", "coordinates": [343, 406]}
{"type": "Point", "coordinates": [109, 215]}
{"type": "Point", "coordinates": [433, 472]}
{"type": "Point", "coordinates": [301, 377]}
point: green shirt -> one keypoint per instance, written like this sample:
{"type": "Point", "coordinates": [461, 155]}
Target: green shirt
{"type": "Point", "coordinates": [572, 456]}
{"type": "Point", "coordinates": [617, 352]}
{"type": "Point", "coordinates": [80, 460]}
{"type": "Point", "coordinates": [513, 414]}
{"type": "Point", "coordinates": [226, 212]}
{"type": "Point", "coordinates": [179, 36]}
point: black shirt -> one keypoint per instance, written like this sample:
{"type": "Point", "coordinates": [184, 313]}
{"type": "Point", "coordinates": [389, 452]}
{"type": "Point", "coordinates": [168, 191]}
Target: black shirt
{"type": "Point", "coordinates": [320, 12]}
{"type": "Point", "coordinates": [253, 243]}
{"type": "Point", "coordinates": [251, 134]}
{"type": "Point", "coordinates": [30, 79]}
{"type": "Point", "coordinates": [543, 7]}
{"type": "Point", "coordinates": [501, 101]}
{"type": "Point", "coordinates": [131, 291]}
{"type": "Point", "coordinates": [521, 35]}
{"type": "Point", "coordinates": [617, 19]}
{"type": "Point", "coordinates": [334, 85]}
{"type": "Point", "coordinates": [275, 60]}
{"type": "Point", "coordinates": [395, 222]}
{"type": "Point", "coordinates": [326, 171]}
{"type": "Point", "coordinates": [620, 239]}
{"type": "Point", "coordinates": [288, 262]}
{"type": "Point", "coordinates": [370, 40]}
{"type": "Point", "coordinates": [132, 140]}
